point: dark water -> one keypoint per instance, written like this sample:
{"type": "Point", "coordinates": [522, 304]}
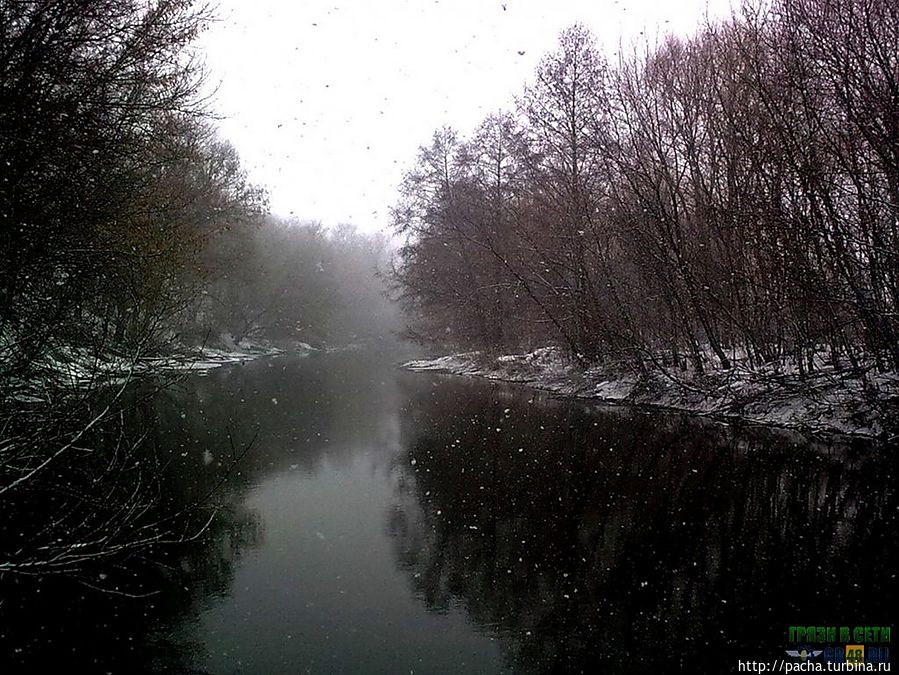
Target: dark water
{"type": "Point", "coordinates": [388, 522]}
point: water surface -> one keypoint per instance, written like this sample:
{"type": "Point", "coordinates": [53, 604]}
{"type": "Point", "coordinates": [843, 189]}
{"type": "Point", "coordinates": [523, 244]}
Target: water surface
{"type": "Point", "coordinates": [386, 522]}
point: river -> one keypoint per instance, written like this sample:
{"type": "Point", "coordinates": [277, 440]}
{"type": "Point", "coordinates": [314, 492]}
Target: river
{"type": "Point", "coordinates": [389, 522]}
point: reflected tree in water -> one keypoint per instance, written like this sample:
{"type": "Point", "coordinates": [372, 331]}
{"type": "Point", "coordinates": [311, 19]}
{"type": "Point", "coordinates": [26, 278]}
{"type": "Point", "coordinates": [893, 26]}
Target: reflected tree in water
{"type": "Point", "coordinates": [142, 541]}
{"type": "Point", "coordinates": [141, 610]}
{"type": "Point", "coordinates": [634, 543]}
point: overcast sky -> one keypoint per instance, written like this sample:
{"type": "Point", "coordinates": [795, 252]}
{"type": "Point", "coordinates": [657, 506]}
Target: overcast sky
{"type": "Point", "coordinates": [327, 102]}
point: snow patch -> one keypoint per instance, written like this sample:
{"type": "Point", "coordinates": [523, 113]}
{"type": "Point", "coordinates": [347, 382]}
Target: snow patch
{"type": "Point", "coordinates": [824, 401]}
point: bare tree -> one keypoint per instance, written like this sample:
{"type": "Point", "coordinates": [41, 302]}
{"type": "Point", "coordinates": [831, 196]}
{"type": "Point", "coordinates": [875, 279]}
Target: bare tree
{"type": "Point", "coordinates": [729, 194]}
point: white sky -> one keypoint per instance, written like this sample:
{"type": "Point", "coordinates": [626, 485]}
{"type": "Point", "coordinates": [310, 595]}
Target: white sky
{"type": "Point", "coordinates": [327, 102]}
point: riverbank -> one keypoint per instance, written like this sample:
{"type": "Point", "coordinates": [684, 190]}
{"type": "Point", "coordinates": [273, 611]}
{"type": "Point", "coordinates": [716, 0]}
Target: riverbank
{"type": "Point", "coordinates": [76, 368]}
{"type": "Point", "coordinates": [826, 401]}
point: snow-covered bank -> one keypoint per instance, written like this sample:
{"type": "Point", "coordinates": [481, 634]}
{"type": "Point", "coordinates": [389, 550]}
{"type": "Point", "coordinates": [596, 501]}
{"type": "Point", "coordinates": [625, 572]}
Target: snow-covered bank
{"type": "Point", "coordinates": [78, 367]}
{"type": "Point", "coordinates": [205, 359]}
{"type": "Point", "coordinates": [825, 401]}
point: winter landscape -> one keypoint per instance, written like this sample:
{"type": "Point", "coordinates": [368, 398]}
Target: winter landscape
{"type": "Point", "coordinates": [448, 337]}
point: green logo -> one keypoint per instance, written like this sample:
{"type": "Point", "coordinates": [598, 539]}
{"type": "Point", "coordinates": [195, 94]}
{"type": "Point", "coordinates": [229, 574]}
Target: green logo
{"type": "Point", "coordinates": [840, 644]}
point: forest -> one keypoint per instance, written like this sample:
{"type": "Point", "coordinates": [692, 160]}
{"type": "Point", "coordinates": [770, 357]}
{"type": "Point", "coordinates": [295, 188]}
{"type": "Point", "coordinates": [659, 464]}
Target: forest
{"type": "Point", "coordinates": [671, 271]}
{"type": "Point", "coordinates": [731, 199]}
{"type": "Point", "coordinates": [131, 236]}
{"type": "Point", "coordinates": [728, 198]}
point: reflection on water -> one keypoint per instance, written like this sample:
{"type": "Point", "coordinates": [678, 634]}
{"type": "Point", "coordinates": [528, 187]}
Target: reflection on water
{"type": "Point", "coordinates": [634, 542]}
{"type": "Point", "coordinates": [386, 522]}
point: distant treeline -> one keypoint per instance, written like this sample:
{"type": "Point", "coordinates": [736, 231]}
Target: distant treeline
{"type": "Point", "coordinates": [296, 281]}
{"type": "Point", "coordinates": [736, 193]}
